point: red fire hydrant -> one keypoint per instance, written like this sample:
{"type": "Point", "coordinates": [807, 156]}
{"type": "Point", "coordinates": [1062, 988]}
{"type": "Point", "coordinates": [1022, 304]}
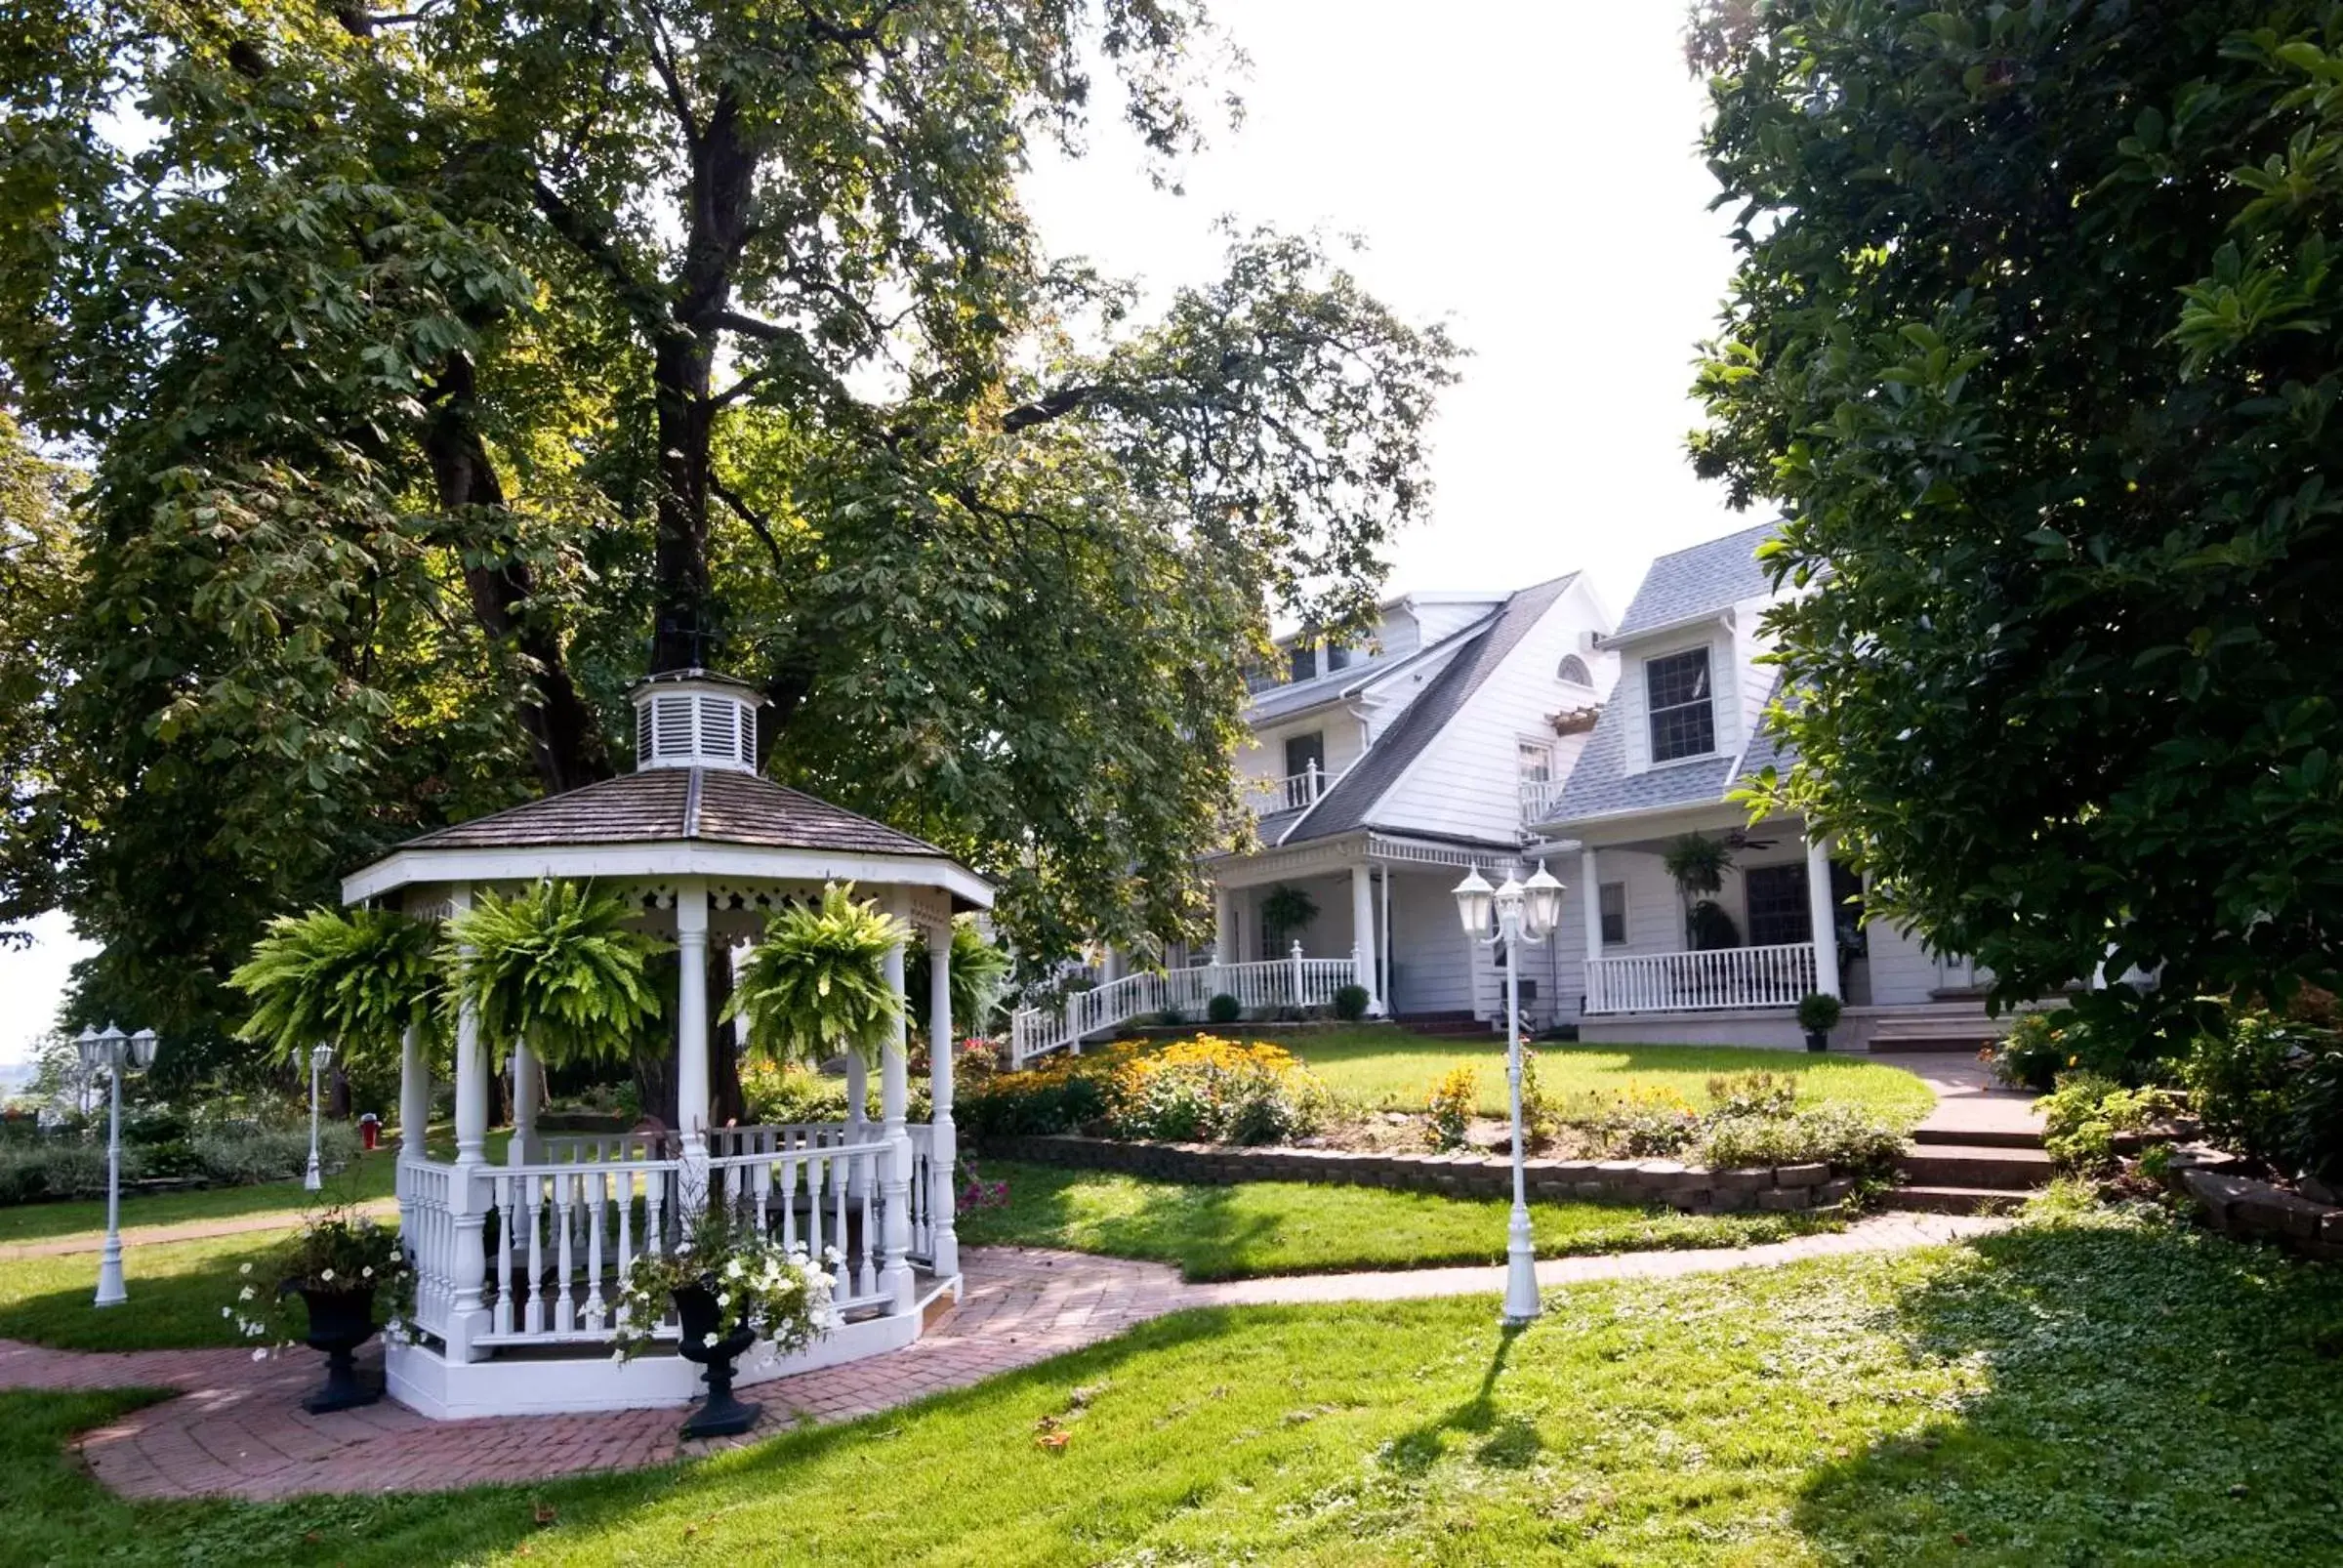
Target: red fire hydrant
{"type": "Point", "coordinates": [370, 1131]}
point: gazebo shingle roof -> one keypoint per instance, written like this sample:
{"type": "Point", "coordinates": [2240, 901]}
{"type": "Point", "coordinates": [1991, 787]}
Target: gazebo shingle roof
{"type": "Point", "coordinates": [667, 804]}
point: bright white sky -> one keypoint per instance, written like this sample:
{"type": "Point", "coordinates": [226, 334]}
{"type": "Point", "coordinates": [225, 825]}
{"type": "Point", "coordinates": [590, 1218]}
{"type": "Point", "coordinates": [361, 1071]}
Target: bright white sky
{"type": "Point", "coordinates": [1528, 175]}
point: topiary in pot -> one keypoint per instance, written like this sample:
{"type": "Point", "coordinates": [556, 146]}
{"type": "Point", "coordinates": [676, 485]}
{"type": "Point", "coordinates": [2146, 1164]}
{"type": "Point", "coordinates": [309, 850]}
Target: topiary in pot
{"type": "Point", "coordinates": [1350, 1002]}
{"type": "Point", "coordinates": [1817, 1015]}
{"type": "Point", "coordinates": [1224, 1009]}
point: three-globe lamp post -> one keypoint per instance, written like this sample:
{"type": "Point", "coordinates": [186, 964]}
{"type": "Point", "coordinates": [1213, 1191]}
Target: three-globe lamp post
{"type": "Point", "coordinates": [320, 1059]}
{"type": "Point", "coordinates": [1523, 914]}
{"type": "Point", "coordinates": [115, 1051]}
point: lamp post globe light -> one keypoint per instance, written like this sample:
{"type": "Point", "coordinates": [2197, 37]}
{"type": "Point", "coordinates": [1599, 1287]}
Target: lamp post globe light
{"type": "Point", "coordinates": [320, 1059]}
{"type": "Point", "coordinates": [1524, 914]}
{"type": "Point", "coordinates": [115, 1051]}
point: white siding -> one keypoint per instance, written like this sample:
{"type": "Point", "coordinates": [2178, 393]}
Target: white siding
{"type": "Point", "coordinates": [1438, 620]}
{"type": "Point", "coordinates": [1466, 783]}
{"type": "Point", "coordinates": [1432, 961]}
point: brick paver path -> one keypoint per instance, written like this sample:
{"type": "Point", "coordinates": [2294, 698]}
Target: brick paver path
{"type": "Point", "coordinates": [238, 1429]}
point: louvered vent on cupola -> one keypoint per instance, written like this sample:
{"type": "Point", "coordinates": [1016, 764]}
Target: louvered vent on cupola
{"type": "Point", "coordinates": [691, 719]}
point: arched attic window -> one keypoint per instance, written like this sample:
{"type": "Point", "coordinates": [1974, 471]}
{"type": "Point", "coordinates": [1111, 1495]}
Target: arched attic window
{"type": "Point", "coordinates": [1574, 670]}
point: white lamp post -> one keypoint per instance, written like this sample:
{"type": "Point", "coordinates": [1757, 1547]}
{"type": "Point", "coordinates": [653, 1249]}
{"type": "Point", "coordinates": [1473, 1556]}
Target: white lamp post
{"type": "Point", "coordinates": [112, 1049]}
{"type": "Point", "coordinates": [1525, 914]}
{"type": "Point", "coordinates": [320, 1059]}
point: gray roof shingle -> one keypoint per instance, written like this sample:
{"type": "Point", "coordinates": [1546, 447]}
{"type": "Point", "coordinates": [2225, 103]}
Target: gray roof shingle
{"type": "Point", "coordinates": [1694, 582]}
{"type": "Point", "coordinates": [1599, 784]}
{"type": "Point", "coordinates": [1351, 803]}
{"type": "Point", "coordinates": [707, 804]}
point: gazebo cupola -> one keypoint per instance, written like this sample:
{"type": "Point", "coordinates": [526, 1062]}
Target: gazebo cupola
{"type": "Point", "coordinates": [692, 718]}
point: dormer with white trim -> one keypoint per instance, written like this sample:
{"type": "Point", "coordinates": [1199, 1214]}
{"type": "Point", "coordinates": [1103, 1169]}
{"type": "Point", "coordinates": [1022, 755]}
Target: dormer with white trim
{"type": "Point", "coordinates": [693, 718]}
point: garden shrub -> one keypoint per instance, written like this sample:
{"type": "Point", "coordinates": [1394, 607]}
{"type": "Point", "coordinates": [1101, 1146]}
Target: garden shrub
{"type": "Point", "coordinates": [1224, 1009]}
{"type": "Point", "coordinates": [2084, 1114]}
{"type": "Point", "coordinates": [776, 1094]}
{"type": "Point", "coordinates": [2033, 1053]}
{"type": "Point", "coordinates": [64, 1167]}
{"type": "Point", "coordinates": [1350, 1002]}
{"type": "Point", "coordinates": [233, 1157]}
{"type": "Point", "coordinates": [1451, 1103]}
{"type": "Point", "coordinates": [1210, 1090]}
{"type": "Point", "coordinates": [1842, 1137]}
{"type": "Point", "coordinates": [1752, 1093]}
{"type": "Point", "coordinates": [1205, 1090]}
{"type": "Point", "coordinates": [1646, 1122]}
{"type": "Point", "coordinates": [2243, 1077]}
{"type": "Point", "coordinates": [2314, 1137]}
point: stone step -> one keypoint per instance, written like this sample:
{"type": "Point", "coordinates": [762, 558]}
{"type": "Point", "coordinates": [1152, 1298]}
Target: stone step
{"type": "Point", "coordinates": [1988, 1138]}
{"type": "Point", "coordinates": [1972, 1165]}
{"type": "Point", "coordinates": [1955, 1199]}
{"type": "Point", "coordinates": [1904, 1042]}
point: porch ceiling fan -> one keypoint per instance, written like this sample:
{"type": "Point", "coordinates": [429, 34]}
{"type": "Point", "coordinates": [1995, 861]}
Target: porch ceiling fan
{"type": "Point", "coordinates": [1739, 840]}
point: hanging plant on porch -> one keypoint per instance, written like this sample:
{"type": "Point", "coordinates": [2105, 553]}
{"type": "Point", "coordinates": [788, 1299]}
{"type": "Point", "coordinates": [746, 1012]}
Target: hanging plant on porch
{"type": "Point", "coordinates": [816, 984]}
{"type": "Point", "coordinates": [559, 968]}
{"type": "Point", "coordinates": [979, 977]}
{"type": "Point", "coordinates": [1697, 864]}
{"type": "Point", "coordinates": [356, 979]}
{"type": "Point", "coordinates": [1286, 909]}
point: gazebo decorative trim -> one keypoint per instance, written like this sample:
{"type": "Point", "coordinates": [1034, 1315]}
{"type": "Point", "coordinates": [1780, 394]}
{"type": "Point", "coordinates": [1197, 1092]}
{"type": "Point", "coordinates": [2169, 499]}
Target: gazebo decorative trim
{"type": "Point", "coordinates": [518, 1316]}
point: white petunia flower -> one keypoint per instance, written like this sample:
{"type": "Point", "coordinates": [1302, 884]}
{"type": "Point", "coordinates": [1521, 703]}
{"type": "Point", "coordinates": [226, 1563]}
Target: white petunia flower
{"type": "Point", "coordinates": [259, 1355]}
{"type": "Point", "coordinates": [245, 1269]}
{"type": "Point", "coordinates": [228, 1311]}
{"type": "Point", "coordinates": [709, 1341]}
{"type": "Point", "coordinates": [327, 1275]}
{"type": "Point", "coordinates": [368, 1272]}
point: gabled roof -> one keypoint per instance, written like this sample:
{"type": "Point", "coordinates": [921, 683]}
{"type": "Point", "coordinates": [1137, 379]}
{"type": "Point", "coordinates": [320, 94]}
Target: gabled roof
{"type": "Point", "coordinates": [1704, 579]}
{"type": "Point", "coordinates": [1600, 785]}
{"type": "Point", "coordinates": [1350, 804]}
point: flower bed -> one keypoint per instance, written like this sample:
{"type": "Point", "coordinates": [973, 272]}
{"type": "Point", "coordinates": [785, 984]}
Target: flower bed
{"type": "Point", "coordinates": [1211, 1109]}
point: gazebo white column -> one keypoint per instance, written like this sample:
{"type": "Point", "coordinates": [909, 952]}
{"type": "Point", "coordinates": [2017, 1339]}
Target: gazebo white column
{"type": "Point", "coordinates": [528, 1077]}
{"type": "Point", "coordinates": [692, 1031]}
{"type": "Point", "coordinates": [1362, 936]}
{"type": "Point", "coordinates": [1822, 912]}
{"type": "Point", "coordinates": [414, 1116]}
{"type": "Point", "coordinates": [943, 1139]}
{"type": "Point", "coordinates": [895, 1093]}
{"type": "Point", "coordinates": [468, 1194]}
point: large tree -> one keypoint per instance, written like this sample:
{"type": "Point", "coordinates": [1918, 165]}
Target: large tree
{"type": "Point", "coordinates": [443, 368]}
{"type": "Point", "coordinates": [2034, 342]}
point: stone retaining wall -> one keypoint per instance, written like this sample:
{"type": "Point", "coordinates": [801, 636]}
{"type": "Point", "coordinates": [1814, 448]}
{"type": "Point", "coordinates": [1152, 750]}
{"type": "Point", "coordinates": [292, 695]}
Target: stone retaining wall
{"type": "Point", "coordinates": [1688, 1187]}
{"type": "Point", "coordinates": [2239, 1206]}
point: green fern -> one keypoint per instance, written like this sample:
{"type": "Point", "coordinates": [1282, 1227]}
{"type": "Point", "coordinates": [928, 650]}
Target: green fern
{"type": "Point", "coordinates": [979, 977]}
{"type": "Point", "coordinates": [816, 984]}
{"type": "Point", "coordinates": [355, 979]}
{"type": "Point", "coordinates": [559, 968]}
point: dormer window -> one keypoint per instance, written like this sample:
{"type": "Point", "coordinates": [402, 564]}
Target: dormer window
{"type": "Point", "coordinates": [1302, 661]}
{"type": "Point", "coordinates": [1681, 705]}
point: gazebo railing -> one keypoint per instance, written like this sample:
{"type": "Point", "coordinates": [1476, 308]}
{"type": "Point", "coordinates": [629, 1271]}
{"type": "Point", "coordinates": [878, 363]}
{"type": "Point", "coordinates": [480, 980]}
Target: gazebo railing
{"type": "Point", "coordinates": [567, 1234]}
{"type": "Point", "coordinates": [430, 1224]}
{"type": "Point", "coordinates": [824, 1199]}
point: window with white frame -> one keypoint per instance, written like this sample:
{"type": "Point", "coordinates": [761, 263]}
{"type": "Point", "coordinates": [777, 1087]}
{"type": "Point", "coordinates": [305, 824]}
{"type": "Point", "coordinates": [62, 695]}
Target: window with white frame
{"type": "Point", "coordinates": [1680, 705]}
{"type": "Point", "coordinates": [1610, 899]}
{"type": "Point", "coordinates": [1573, 670]}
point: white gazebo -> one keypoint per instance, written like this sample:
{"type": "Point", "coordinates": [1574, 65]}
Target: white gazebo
{"type": "Point", "coordinates": [519, 1262]}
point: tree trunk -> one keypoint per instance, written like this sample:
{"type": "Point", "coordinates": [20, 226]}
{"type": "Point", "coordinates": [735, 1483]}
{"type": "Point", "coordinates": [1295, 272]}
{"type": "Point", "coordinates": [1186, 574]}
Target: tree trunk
{"type": "Point", "coordinates": [564, 733]}
{"type": "Point", "coordinates": [726, 1102]}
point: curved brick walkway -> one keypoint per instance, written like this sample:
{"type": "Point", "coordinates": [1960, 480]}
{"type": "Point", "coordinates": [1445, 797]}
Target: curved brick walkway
{"type": "Point", "coordinates": [238, 1429]}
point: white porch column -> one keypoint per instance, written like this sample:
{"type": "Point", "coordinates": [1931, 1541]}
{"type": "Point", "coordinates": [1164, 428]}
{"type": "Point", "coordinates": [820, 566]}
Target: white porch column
{"type": "Point", "coordinates": [1823, 911]}
{"type": "Point", "coordinates": [1362, 936]}
{"type": "Point", "coordinates": [895, 1093]}
{"type": "Point", "coordinates": [467, 1192]}
{"type": "Point", "coordinates": [1591, 907]}
{"type": "Point", "coordinates": [1224, 926]}
{"type": "Point", "coordinates": [943, 1139]}
{"type": "Point", "coordinates": [527, 1088]}
{"type": "Point", "coordinates": [691, 1032]}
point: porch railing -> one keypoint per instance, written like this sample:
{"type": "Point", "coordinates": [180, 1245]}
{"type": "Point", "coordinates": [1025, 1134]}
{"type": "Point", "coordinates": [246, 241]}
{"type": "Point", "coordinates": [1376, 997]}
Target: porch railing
{"type": "Point", "coordinates": [1294, 981]}
{"type": "Point", "coordinates": [1774, 977]}
{"type": "Point", "coordinates": [1295, 792]}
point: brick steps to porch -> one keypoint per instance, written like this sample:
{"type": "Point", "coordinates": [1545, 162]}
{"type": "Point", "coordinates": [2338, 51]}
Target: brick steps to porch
{"type": "Point", "coordinates": [1922, 1031]}
{"type": "Point", "coordinates": [1971, 1169]}
{"type": "Point", "coordinates": [1445, 1025]}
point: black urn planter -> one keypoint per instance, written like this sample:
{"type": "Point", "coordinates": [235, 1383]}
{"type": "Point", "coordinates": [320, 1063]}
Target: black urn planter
{"type": "Point", "coordinates": [721, 1416]}
{"type": "Point", "coordinates": [339, 1321]}
{"type": "Point", "coordinates": [1818, 1040]}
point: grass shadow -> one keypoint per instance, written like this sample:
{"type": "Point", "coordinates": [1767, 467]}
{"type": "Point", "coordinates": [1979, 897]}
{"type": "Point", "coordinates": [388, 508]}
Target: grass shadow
{"type": "Point", "coordinates": [2130, 1392]}
{"type": "Point", "coordinates": [1507, 1442]}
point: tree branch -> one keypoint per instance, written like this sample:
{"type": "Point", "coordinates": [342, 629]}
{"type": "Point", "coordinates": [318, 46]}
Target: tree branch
{"type": "Point", "coordinates": [757, 522]}
{"type": "Point", "coordinates": [663, 61]}
{"type": "Point", "coordinates": [1054, 405]}
{"type": "Point", "coordinates": [646, 302]}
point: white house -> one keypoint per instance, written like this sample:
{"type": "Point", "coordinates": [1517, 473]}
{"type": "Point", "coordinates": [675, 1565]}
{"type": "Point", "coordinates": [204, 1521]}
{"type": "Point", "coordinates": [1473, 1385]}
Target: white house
{"type": "Point", "coordinates": [1378, 773]}
{"type": "Point", "coordinates": [1681, 733]}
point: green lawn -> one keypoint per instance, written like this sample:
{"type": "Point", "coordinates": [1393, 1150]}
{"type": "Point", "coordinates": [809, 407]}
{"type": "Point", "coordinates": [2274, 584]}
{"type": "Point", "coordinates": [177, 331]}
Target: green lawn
{"type": "Point", "coordinates": [1389, 1069]}
{"type": "Point", "coordinates": [175, 1293]}
{"type": "Point", "coordinates": [1290, 1227]}
{"type": "Point", "coordinates": [371, 1178]}
{"type": "Point", "coordinates": [2070, 1393]}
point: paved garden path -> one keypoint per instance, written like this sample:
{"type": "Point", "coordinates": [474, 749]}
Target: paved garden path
{"type": "Point", "coordinates": [91, 1241]}
{"type": "Point", "coordinates": [237, 1428]}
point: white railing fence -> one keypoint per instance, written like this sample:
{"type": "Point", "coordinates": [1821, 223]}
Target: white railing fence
{"type": "Point", "coordinates": [1293, 981]}
{"type": "Point", "coordinates": [1538, 798]}
{"type": "Point", "coordinates": [1687, 982]}
{"type": "Point", "coordinates": [564, 1230]}
{"type": "Point", "coordinates": [1295, 792]}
